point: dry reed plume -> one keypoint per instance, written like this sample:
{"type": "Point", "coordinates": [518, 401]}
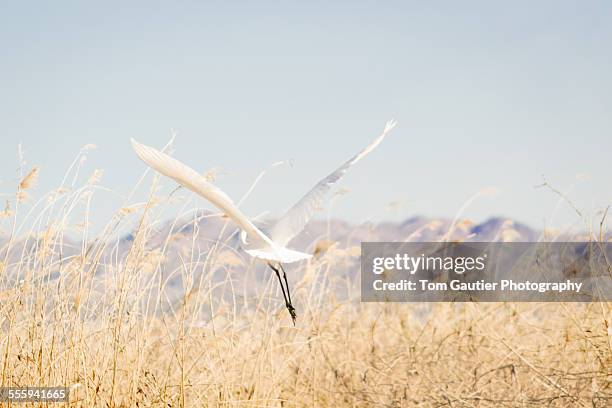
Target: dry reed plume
{"type": "Point", "coordinates": [97, 320]}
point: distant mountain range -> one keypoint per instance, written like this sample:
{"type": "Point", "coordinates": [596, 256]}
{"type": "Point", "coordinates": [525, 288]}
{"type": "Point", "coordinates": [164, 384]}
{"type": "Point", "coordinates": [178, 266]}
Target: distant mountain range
{"type": "Point", "coordinates": [207, 229]}
{"type": "Point", "coordinates": [189, 241]}
{"type": "Point", "coordinates": [211, 227]}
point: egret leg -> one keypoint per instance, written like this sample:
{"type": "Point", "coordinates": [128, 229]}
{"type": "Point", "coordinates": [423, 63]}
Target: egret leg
{"type": "Point", "coordinates": [286, 283]}
{"type": "Point", "coordinates": [288, 304]}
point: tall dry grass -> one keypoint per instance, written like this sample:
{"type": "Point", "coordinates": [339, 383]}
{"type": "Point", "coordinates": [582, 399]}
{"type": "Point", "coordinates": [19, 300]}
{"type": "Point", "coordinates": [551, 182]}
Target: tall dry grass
{"type": "Point", "coordinates": [86, 315]}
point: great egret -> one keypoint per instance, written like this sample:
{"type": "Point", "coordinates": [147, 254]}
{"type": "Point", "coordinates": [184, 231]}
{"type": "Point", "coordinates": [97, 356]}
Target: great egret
{"type": "Point", "coordinates": [273, 248]}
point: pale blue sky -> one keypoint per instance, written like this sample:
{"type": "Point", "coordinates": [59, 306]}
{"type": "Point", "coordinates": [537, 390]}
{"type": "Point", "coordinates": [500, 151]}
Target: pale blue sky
{"type": "Point", "coordinates": [486, 94]}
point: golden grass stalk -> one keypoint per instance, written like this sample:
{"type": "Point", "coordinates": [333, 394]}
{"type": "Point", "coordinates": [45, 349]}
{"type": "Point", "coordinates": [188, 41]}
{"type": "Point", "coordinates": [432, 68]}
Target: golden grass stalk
{"type": "Point", "coordinates": [105, 323]}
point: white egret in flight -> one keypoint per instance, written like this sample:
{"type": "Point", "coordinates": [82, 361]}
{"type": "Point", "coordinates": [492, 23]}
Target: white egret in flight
{"type": "Point", "coordinates": [271, 248]}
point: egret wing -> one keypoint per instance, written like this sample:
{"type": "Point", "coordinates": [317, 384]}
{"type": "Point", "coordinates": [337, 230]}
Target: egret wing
{"type": "Point", "coordinates": [195, 182]}
{"type": "Point", "coordinates": [296, 218]}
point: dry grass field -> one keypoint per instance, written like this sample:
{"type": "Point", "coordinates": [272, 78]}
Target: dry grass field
{"type": "Point", "coordinates": [98, 321]}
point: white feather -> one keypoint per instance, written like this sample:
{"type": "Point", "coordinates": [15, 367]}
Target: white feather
{"type": "Point", "coordinates": [271, 248]}
{"type": "Point", "coordinates": [296, 218]}
{"type": "Point", "coordinates": [191, 179]}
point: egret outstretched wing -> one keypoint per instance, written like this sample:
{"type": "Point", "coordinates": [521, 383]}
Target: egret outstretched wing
{"type": "Point", "coordinates": [296, 218]}
{"type": "Point", "coordinates": [195, 182]}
